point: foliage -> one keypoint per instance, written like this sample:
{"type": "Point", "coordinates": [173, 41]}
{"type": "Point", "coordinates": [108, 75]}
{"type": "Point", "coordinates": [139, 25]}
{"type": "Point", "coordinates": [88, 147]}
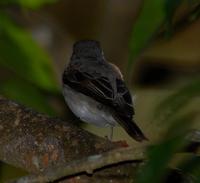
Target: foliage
{"type": "Point", "coordinates": [27, 3]}
{"type": "Point", "coordinates": [26, 93]}
{"type": "Point", "coordinates": [155, 15]}
{"type": "Point", "coordinates": [32, 66]}
{"type": "Point", "coordinates": [177, 101]}
{"type": "Point", "coordinates": [191, 167]}
{"type": "Point", "coordinates": [150, 19]}
{"type": "Point", "coordinates": [159, 156]}
{"type": "Point", "coordinates": [27, 59]}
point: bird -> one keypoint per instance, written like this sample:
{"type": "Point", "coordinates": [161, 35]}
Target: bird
{"type": "Point", "coordinates": [95, 91]}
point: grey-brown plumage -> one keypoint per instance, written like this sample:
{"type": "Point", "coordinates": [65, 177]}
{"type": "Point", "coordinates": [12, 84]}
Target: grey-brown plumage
{"type": "Point", "coordinates": [95, 91]}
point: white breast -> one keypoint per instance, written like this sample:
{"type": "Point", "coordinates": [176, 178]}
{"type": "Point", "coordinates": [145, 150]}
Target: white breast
{"type": "Point", "coordinates": [87, 109]}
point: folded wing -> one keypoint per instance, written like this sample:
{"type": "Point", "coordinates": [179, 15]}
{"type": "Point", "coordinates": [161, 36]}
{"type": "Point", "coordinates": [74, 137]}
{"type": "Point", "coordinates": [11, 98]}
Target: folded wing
{"type": "Point", "coordinates": [99, 88]}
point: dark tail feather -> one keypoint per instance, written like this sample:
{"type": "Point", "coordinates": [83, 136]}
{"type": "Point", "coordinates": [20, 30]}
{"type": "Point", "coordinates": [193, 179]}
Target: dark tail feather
{"type": "Point", "coordinates": [133, 130]}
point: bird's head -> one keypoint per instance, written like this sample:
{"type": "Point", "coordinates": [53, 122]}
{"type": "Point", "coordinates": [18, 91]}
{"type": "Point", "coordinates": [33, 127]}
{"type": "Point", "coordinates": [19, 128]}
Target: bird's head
{"type": "Point", "coordinates": [87, 49]}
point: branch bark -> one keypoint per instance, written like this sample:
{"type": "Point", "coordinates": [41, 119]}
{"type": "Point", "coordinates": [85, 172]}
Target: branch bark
{"type": "Point", "coordinates": [35, 141]}
{"type": "Point", "coordinates": [88, 165]}
{"type": "Point", "coordinates": [38, 143]}
{"type": "Point", "coordinates": [51, 149]}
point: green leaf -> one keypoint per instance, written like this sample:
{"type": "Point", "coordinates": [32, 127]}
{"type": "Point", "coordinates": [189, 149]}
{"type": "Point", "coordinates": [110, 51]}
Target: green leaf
{"type": "Point", "coordinates": [173, 104]}
{"type": "Point", "coordinates": [158, 159]}
{"type": "Point", "coordinates": [20, 53]}
{"type": "Point", "coordinates": [26, 94]}
{"type": "Point", "coordinates": [159, 156]}
{"type": "Point", "coordinates": [191, 167]}
{"type": "Point", "coordinates": [27, 3]}
{"type": "Point", "coordinates": [170, 9]}
{"type": "Point", "coordinates": [151, 17]}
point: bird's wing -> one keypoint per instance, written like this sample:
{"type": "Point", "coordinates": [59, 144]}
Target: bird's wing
{"type": "Point", "coordinates": [100, 88]}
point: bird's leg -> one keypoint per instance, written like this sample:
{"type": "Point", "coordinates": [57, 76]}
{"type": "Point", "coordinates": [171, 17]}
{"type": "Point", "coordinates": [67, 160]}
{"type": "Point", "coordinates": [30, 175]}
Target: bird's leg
{"type": "Point", "coordinates": [111, 133]}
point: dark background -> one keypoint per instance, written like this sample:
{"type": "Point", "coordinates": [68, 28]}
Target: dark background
{"type": "Point", "coordinates": [156, 44]}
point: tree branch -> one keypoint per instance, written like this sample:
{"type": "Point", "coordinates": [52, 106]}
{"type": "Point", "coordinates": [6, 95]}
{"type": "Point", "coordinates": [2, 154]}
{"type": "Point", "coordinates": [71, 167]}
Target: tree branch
{"type": "Point", "coordinates": [35, 141]}
{"type": "Point", "coordinates": [38, 143]}
{"type": "Point", "coordinates": [88, 165]}
{"type": "Point", "coordinates": [52, 149]}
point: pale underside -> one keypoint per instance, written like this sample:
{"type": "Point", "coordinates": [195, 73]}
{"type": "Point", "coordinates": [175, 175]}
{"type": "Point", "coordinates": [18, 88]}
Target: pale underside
{"type": "Point", "coordinates": [87, 109]}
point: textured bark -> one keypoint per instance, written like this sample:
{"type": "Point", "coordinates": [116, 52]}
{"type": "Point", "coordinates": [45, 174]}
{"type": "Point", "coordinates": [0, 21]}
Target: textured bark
{"type": "Point", "coordinates": [51, 149]}
{"type": "Point", "coordinates": [36, 143]}
{"type": "Point", "coordinates": [90, 164]}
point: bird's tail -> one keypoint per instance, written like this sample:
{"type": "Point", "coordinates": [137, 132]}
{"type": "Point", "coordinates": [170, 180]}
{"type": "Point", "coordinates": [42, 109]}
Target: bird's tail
{"type": "Point", "coordinates": [133, 130]}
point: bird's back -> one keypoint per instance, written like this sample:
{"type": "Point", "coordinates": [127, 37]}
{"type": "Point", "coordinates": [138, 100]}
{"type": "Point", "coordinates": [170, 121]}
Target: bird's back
{"type": "Point", "coordinates": [91, 75]}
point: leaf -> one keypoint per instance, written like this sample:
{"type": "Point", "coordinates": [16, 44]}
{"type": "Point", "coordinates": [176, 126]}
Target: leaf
{"type": "Point", "coordinates": [27, 3]}
{"type": "Point", "coordinates": [158, 159]}
{"type": "Point", "coordinates": [20, 53]}
{"type": "Point", "coordinates": [159, 156]}
{"type": "Point", "coordinates": [27, 94]}
{"type": "Point", "coordinates": [171, 105]}
{"type": "Point", "coordinates": [151, 17]}
{"type": "Point", "coordinates": [191, 167]}
{"type": "Point", "coordinates": [170, 9]}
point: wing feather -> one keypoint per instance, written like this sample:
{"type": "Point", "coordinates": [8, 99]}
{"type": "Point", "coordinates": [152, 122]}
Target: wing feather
{"type": "Point", "coordinates": [100, 88]}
